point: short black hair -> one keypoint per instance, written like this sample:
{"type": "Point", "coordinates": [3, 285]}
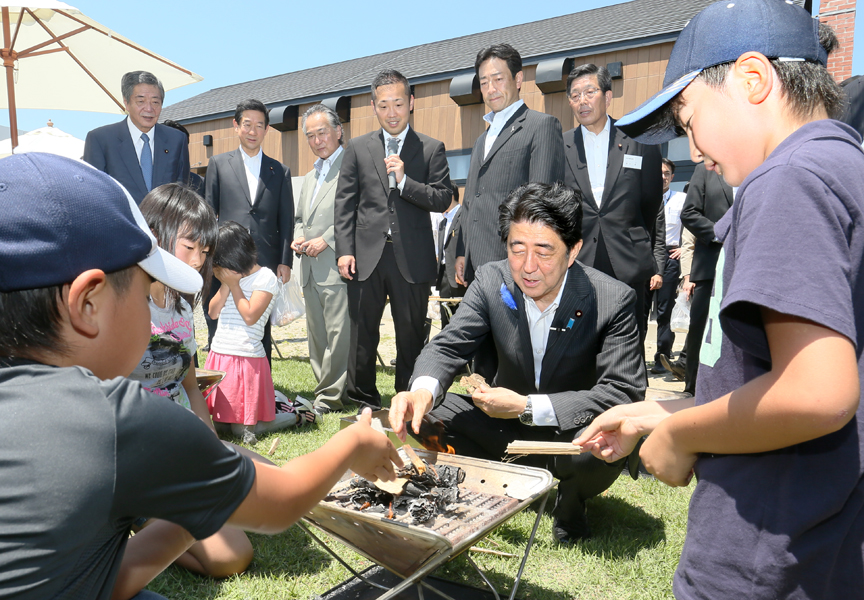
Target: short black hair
{"type": "Point", "coordinates": [251, 104]}
{"type": "Point", "coordinates": [30, 319]}
{"type": "Point", "coordinates": [236, 249]}
{"type": "Point", "coordinates": [806, 85]}
{"type": "Point", "coordinates": [175, 125]}
{"type": "Point", "coordinates": [390, 77]}
{"type": "Point", "coordinates": [552, 204]}
{"type": "Point", "coordinates": [175, 210]}
{"type": "Point", "coordinates": [604, 79]}
{"type": "Point", "coordinates": [669, 164]}
{"type": "Point", "coordinates": [505, 52]}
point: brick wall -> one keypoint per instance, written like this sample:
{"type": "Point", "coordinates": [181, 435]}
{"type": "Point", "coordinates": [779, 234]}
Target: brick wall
{"type": "Point", "coordinates": [840, 15]}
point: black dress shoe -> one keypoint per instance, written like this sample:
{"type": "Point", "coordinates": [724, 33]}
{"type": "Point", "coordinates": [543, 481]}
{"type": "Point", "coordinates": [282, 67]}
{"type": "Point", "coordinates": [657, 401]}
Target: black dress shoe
{"type": "Point", "coordinates": [676, 368]}
{"type": "Point", "coordinates": [657, 368]}
{"type": "Point", "coordinates": [569, 533]}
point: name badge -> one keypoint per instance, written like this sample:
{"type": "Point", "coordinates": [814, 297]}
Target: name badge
{"type": "Point", "coordinates": [632, 161]}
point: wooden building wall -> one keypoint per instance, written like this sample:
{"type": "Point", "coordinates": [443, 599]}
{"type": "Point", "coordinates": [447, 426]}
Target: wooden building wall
{"type": "Point", "coordinates": [436, 115]}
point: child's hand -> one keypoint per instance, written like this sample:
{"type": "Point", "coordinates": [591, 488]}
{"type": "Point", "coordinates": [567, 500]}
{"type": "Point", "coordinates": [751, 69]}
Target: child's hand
{"type": "Point", "coordinates": [665, 460]}
{"type": "Point", "coordinates": [612, 435]}
{"type": "Point", "coordinates": [375, 455]}
{"type": "Point", "coordinates": [227, 276]}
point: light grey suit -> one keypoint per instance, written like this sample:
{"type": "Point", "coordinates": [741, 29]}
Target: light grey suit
{"type": "Point", "coordinates": [324, 289]}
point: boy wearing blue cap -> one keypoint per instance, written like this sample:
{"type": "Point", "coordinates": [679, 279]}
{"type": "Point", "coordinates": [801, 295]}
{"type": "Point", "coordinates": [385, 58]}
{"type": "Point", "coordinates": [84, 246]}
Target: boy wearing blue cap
{"type": "Point", "coordinates": [79, 463]}
{"type": "Point", "coordinates": [775, 433]}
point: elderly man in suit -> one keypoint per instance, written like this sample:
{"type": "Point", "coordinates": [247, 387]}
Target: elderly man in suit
{"type": "Point", "coordinates": [247, 186]}
{"type": "Point", "coordinates": [622, 187]}
{"type": "Point", "coordinates": [324, 290]}
{"type": "Point", "coordinates": [520, 146]}
{"type": "Point", "coordinates": [139, 152]}
{"type": "Point", "coordinates": [391, 179]}
{"type": "Point", "coordinates": [568, 349]}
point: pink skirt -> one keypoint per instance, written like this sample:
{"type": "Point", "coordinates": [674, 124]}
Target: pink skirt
{"type": "Point", "coordinates": [246, 394]}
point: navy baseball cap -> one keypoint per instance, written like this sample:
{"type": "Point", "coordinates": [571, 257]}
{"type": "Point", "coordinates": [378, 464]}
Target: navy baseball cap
{"type": "Point", "coordinates": [720, 34]}
{"type": "Point", "coordinates": [60, 217]}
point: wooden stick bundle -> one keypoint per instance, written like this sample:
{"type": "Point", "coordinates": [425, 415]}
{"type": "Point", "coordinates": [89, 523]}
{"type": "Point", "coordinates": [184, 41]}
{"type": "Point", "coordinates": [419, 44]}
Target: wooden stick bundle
{"type": "Point", "coordinates": [529, 447]}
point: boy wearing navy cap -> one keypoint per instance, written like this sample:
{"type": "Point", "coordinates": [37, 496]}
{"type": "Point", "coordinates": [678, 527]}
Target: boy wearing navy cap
{"type": "Point", "coordinates": [775, 433]}
{"type": "Point", "coordinates": [78, 453]}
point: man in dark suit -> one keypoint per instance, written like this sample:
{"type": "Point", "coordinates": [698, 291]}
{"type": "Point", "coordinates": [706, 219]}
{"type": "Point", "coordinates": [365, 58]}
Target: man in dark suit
{"type": "Point", "coordinates": [567, 344]}
{"type": "Point", "coordinates": [448, 232]}
{"type": "Point", "coordinates": [708, 199]}
{"type": "Point", "coordinates": [621, 183]}
{"type": "Point", "coordinates": [520, 145]}
{"type": "Point", "coordinates": [391, 179]}
{"type": "Point", "coordinates": [247, 186]}
{"type": "Point", "coordinates": [139, 152]}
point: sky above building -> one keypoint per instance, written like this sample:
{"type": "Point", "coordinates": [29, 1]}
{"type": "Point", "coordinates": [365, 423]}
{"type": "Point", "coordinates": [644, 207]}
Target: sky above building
{"type": "Point", "coordinates": [232, 42]}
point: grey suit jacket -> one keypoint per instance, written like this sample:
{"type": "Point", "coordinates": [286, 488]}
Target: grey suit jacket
{"type": "Point", "coordinates": [528, 149]}
{"type": "Point", "coordinates": [708, 199]}
{"type": "Point", "coordinates": [314, 218]}
{"type": "Point", "coordinates": [269, 216]}
{"type": "Point", "coordinates": [366, 207]}
{"type": "Point", "coordinates": [627, 213]}
{"type": "Point", "coordinates": [590, 366]}
{"type": "Point", "coordinates": [111, 150]}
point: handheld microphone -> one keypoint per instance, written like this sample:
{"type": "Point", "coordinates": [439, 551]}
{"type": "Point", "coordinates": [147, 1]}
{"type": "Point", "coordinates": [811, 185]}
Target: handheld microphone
{"type": "Point", "coordinates": [392, 148]}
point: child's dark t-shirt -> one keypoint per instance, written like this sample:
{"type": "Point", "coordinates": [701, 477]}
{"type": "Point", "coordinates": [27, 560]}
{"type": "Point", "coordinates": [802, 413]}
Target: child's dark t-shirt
{"type": "Point", "coordinates": [81, 459]}
{"type": "Point", "coordinates": [788, 523]}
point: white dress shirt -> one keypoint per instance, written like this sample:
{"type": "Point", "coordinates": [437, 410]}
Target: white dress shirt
{"type": "Point", "coordinates": [538, 327]}
{"type": "Point", "coordinates": [597, 157]}
{"type": "Point", "coordinates": [401, 138]}
{"type": "Point", "coordinates": [322, 167]}
{"type": "Point", "coordinates": [252, 164]}
{"type": "Point", "coordinates": [496, 124]}
{"type": "Point", "coordinates": [673, 202]}
{"type": "Point", "coordinates": [139, 143]}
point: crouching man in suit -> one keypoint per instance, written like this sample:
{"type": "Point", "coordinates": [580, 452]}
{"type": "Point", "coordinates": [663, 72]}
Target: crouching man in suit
{"type": "Point", "coordinates": [567, 344]}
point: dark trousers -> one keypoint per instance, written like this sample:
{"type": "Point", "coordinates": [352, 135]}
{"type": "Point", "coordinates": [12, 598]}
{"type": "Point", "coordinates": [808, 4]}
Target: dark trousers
{"type": "Point", "coordinates": [366, 302]}
{"type": "Point", "coordinates": [665, 302]}
{"type": "Point", "coordinates": [472, 432]}
{"type": "Point", "coordinates": [699, 305]}
{"type": "Point", "coordinates": [445, 290]}
{"type": "Point", "coordinates": [604, 265]}
{"type": "Point", "coordinates": [213, 323]}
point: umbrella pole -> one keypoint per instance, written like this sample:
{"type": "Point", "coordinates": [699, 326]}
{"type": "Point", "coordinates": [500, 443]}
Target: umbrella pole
{"type": "Point", "coordinates": [9, 63]}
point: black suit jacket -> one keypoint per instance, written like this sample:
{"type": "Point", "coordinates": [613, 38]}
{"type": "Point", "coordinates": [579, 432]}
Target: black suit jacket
{"type": "Point", "coordinates": [627, 214]}
{"type": "Point", "coordinates": [589, 367]}
{"type": "Point", "coordinates": [110, 149]}
{"type": "Point", "coordinates": [365, 207]}
{"type": "Point", "coordinates": [270, 217]}
{"type": "Point", "coordinates": [447, 247]}
{"type": "Point", "coordinates": [528, 149]}
{"type": "Point", "coordinates": [708, 199]}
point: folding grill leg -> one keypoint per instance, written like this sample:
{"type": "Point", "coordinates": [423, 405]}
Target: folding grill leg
{"type": "Point", "coordinates": [528, 546]}
{"type": "Point", "coordinates": [339, 558]}
{"type": "Point", "coordinates": [483, 576]}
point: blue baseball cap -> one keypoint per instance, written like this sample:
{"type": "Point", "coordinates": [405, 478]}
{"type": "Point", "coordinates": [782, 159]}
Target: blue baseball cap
{"type": "Point", "coordinates": [720, 34]}
{"type": "Point", "coordinates": [60, 217]}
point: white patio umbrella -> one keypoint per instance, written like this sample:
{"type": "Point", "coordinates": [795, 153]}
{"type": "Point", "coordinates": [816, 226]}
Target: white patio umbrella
{"type": "Point", "coordinates": [55, 57]}
{"type": "Point", "coordinates": [45, 139]}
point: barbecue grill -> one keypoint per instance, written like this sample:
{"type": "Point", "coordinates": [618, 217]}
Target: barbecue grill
{"type": "Point", "coordinates": [491, 494]}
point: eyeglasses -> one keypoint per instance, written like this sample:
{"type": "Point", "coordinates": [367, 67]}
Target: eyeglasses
{"type": "Point", "coordinates": [587, 94]}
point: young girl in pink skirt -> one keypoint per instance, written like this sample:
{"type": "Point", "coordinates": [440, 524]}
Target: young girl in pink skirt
{"type": "Point", "coordinates": [245, 398]}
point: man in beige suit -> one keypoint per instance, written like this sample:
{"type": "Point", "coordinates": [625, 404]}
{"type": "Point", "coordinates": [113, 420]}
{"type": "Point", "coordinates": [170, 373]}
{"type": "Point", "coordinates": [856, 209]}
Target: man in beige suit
{"type": "Point", "coordinates": [324, 289]}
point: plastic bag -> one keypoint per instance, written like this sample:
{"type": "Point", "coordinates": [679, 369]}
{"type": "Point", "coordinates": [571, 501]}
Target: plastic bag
{"type": "Point", "coordinates": [680, 320]}
{"type": "Point", "coordinates": [289, 303]}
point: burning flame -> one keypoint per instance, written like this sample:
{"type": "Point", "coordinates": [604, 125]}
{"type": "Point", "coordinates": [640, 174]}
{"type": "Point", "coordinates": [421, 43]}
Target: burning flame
{"type": "Point", "coordinates": [433, 443]}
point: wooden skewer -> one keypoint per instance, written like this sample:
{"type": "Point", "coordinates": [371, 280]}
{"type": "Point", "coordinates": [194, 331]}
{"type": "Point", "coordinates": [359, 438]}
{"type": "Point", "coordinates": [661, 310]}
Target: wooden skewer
{"type": "Point", "coordinates": [529, 447]}
{"type": "Point", "coordinates": [495, 552]}
{"type": "Point", "coordinates": [273, 447]}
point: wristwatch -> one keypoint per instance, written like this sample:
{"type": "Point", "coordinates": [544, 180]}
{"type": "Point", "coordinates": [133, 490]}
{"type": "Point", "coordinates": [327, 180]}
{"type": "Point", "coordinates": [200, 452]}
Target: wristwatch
{"type": "Point", "coordinates": [527, 416]}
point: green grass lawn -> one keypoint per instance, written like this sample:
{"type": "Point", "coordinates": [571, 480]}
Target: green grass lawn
{"type": "Point", "coordinates": [638, 531]}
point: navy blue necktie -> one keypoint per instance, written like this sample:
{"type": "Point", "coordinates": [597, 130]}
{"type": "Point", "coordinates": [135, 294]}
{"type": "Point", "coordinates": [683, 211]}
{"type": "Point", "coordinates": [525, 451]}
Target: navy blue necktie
{"type": "Point", "coordinates": [147, 162]}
